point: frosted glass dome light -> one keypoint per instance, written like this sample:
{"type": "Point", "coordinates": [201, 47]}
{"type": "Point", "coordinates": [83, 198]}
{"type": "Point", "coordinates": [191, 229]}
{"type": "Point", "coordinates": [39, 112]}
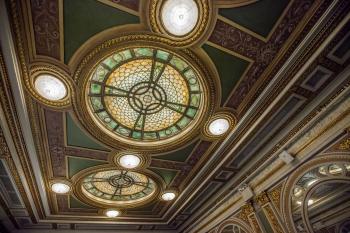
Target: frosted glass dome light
{"type": "Point", "coordinates": [219, 126]}
{"type": "Point", "coordinates": [60, 188]}
{"type": "Point", "coordinates": [112, 213]}
{"type": "Point", "coordinates": [50, 87]}
{"type": "Point", "coordinates": [129, 161]}
{"type": "Point", "coordinates": [179, 17]}
{"type": "Point", "coordinates": [168, 196]}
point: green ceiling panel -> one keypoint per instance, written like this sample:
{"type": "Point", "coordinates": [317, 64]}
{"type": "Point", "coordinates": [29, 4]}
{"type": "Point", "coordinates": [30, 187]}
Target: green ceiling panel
{"type": "Point", "coordinates": [167, 175]}
{"type": "Point", "coordinates": [80, 22]}
{"type": "Point", "coordinates": [76, 204]}
{"type": "Point", "coordinates": [76, 137]}
{"type": "Point", "coordinates": [179, 155]}
{"type": "Point", "coordinates": [76, 164]}
{"type": "Point", "coordinates": [230, 69]}
{"type": "Point", "coordinates": [259, 17]}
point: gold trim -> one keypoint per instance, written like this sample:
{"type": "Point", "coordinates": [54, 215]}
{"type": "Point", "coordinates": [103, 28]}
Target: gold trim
{"type": "Point", "coordinates": [233, 3]}
{"type": "Point", "coordinates": [119, 7]}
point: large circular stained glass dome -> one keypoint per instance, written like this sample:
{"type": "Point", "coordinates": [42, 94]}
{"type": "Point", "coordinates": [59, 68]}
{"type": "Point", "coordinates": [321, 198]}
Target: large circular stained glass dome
{"type": "Point", "coordinates": [144, 94]}
{"type": "Point", "coordinates": [118, 187]}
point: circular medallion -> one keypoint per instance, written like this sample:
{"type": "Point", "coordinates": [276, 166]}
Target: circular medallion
{"type": "Point", "coordinates": [118, 187]}
{"type": "Point", "coordinates": [144, 95]}
{"type": "Point", "coordinates": [144, 98]}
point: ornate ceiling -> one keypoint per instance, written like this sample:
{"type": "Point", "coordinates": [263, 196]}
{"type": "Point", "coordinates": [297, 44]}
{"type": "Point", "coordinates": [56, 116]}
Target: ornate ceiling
{"type": "Point", "coordinates": [205, 95]}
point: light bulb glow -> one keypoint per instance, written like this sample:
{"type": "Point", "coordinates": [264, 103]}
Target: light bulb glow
{"type": "Point", "coordinates": [60, 188]}
{"type": "Point", "coordinates": [129, 161]}
{"type": "Point", "coordinates": [112, 213]}
{"type": "Point", "coordinates": [219, 126]}
{"type": "Point", "coordinates": [50, 87]}
{"type": "Point", "coordinates": [168, 196]}
{"type": "Point", "coordinates": [310, 202]}
{"type": "Point", "coordinates": [179, 16]}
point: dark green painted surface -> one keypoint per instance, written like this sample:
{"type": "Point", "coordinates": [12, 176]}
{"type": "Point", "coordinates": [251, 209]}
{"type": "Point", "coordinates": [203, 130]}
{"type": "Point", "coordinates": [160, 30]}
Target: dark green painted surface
{"type": "Point", "coordinates": [259, 17]}
{"type": "Point", "coordinates": [167, 175]}
{"type": "Point", "coordinates": [76, 204]}
{"type": "Point", "coordinates": [76, 137]}
{"type": "Point", "coordinates": [265, 223]}
{"type": "Point", "coordinates": [76, 164]}
{"type": "Point", "coordinates": [180, 155]}
{"type": "Point", "coordinates": [230, 69]}
{"type": "Point", "coordinates": [85, 18]}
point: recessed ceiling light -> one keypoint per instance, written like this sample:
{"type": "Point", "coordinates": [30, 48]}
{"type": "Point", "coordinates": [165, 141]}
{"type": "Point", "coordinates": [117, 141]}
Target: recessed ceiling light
{"type": "Point", "coordinates": [60, 188]}
{"type": "Point", "coordinates": [129, 161]}
{"type": "Point", "coordinates": [168, 196]}
{"type": "Point", "coordinates": [112, 213]}
{"type": "Point", "coordinates": [50, 87]}
{"type": "Point", "coordinates": [179, 16]}
{"type": "Point", "coordinates": [219, 126]}
{"type": "Point", "coordinates": [299, 202]}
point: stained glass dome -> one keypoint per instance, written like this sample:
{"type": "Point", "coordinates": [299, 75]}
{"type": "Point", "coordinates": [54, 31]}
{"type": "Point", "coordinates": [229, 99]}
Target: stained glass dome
{"type": "Point", "coordinates": [144, 94]}
{"type": "Point", "coordinates": [118, 187]}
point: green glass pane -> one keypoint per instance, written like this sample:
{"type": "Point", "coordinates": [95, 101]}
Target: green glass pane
{"type": "Point", "coordinates": [189, 74]}
{"type": "Point", "coordinates": [191, 112]}
{"type": "Point", "coordinates": [100, 74]}
{"type": "Point", "coordinates": [95, 88]}
{"type": "Point", "coordinates": [123, 131]}
{"type": "Point", "coordinates": [194, 87]}
{"type": "Point", "coordinates": [96, 103]}
{"type": "Point", "coordinates": [143, 52]}
{"type": "Point", "coordinates": [162, 134]}
{"type": "Point", "coordinates": [162, 55]}
{"type": "Point", "coordinates": [178, 63]}
{"type": "Point", "coordinates": [111, 125]}
{"type": "Point", "coordinates": [148, 135]}
{"type": "Point", "coordinates": [136, 135]}
{"type": "Point", "coordinates": [195, 100]}
{"type": "Point", "coordinates": [110, 62]}
{"type": "Point", "coordinates": [184, 122]}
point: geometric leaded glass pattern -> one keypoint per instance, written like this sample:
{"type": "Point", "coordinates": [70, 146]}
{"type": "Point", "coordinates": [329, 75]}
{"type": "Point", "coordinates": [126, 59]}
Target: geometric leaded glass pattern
{"type": "Point", "coordinates": [144, 94]}
{"type": "Point", "coordinates": [118, 187]}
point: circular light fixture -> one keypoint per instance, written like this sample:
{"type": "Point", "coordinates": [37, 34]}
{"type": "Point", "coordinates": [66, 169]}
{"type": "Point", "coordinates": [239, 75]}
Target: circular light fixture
{"type": "Point", "coordinates": [112, 213]}
{"type": "Point", "coordinates": [60, 188]}
{"type": "Point", "coordinates": [129, 161]}
{"type": "Point", "coordinates": [179, 17]}
{"type": "Point", "coordinates": [168, 196]}
{"type": "Point", "coordinates": [219, 126]}
{"type": "Point", "coordinates": [50, 87]}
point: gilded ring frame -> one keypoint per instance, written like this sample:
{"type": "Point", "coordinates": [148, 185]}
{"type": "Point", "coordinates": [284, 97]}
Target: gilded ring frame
{"type": "Point", "coordinates": [208, 77]}
{"type": "Point", "coordinates": [206, 21]}
{"type": "Point", "coordinates": [44, 68]}
{"type": "Point", "coordinates": [78, 178]}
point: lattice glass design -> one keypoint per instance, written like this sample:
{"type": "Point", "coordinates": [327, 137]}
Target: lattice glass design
{"type": "Point", "coordinates": [145, 94]}
{"type": "Point", "coordinates": [118, 186]}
